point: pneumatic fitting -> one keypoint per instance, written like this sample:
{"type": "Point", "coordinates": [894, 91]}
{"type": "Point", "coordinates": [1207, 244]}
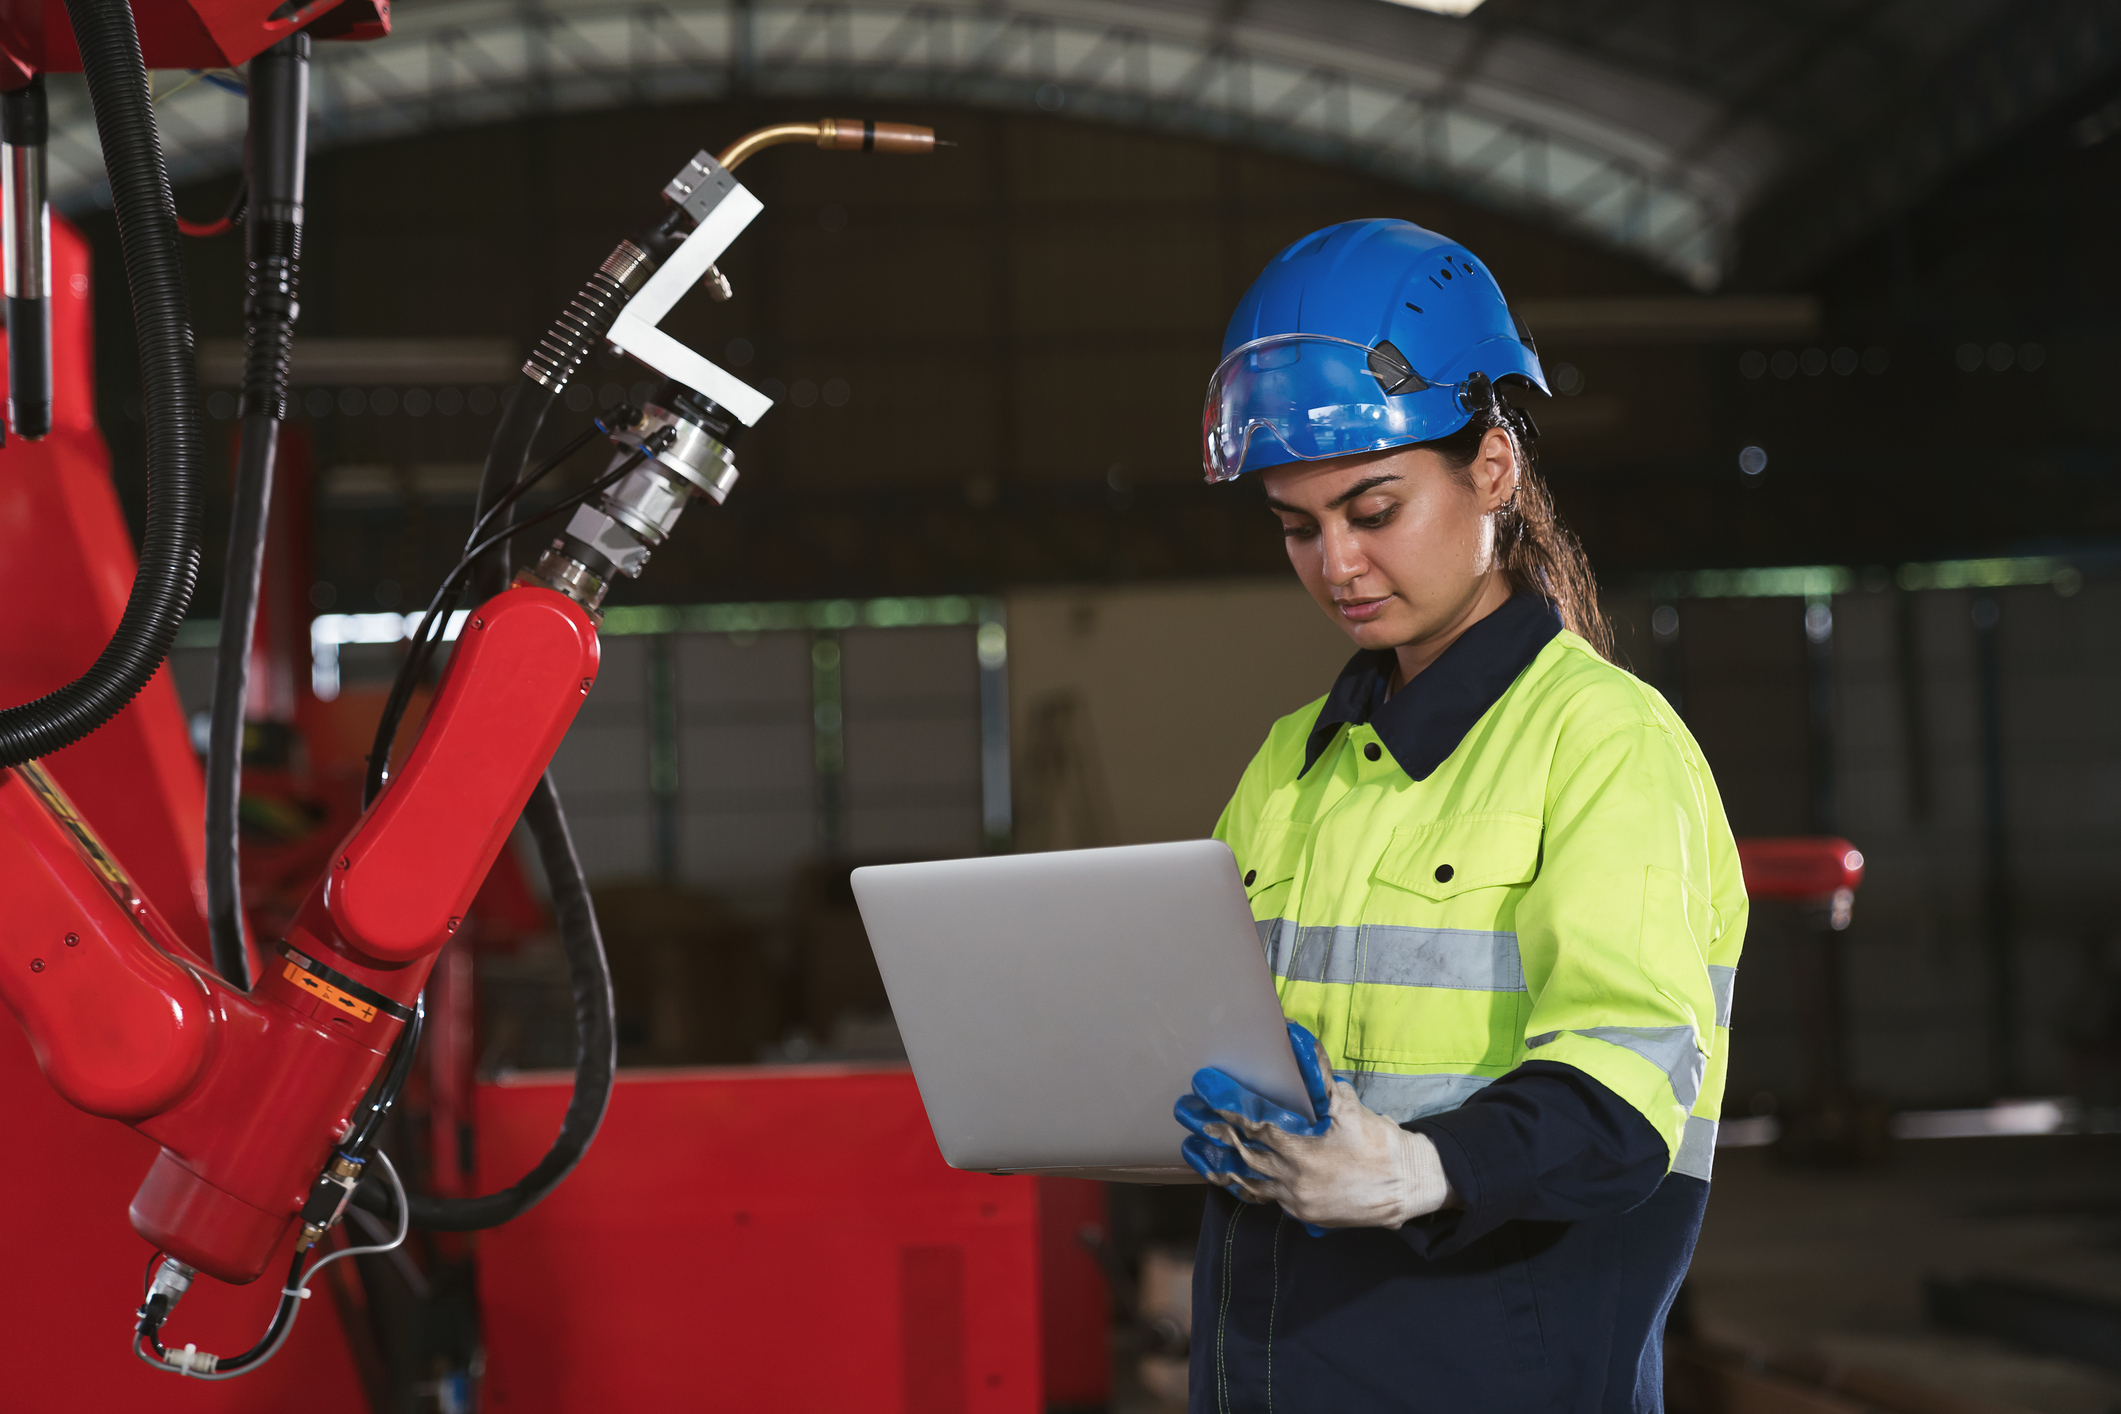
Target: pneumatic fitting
{"type": "Point", "coordinates": [328, 1198]}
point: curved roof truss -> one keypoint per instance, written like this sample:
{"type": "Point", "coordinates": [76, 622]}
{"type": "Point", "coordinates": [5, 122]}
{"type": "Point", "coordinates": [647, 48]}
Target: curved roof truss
{"type": "Point", "coordinates": [1513, 122]}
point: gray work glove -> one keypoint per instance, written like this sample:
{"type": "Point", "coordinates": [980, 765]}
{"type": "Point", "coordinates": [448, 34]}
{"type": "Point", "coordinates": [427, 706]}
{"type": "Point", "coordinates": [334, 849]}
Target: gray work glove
{"type": "Point", "coordinates": [1361, 1170]}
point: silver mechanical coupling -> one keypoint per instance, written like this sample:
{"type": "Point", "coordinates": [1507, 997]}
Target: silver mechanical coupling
{"type": "Point", "coordinates": [682, 458]}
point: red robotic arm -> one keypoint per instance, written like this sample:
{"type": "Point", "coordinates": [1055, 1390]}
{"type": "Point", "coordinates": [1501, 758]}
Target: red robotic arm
{"type": "Point", "coordinates": [248, 1092]}
{"type": "Point", "coordinates": [256, 1096]}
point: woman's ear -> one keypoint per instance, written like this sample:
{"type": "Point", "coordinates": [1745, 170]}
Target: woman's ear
{"type": "Point", "coordinates": [1495, 470]}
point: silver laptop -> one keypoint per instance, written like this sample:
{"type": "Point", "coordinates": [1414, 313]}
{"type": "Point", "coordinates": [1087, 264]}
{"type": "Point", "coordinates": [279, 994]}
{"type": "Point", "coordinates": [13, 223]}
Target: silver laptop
{"type": "Point", "coordinates": [1055, 1006]}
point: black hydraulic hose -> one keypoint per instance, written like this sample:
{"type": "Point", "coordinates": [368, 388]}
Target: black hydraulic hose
{"type": "Point", "coordinates": [154, 273]}
{"type": "Point", "coordinates": [551, 364]}
{"type": "Point", "coordinates": [596, 1040]}
{"type": "Point", "coordinates": [274, 163]}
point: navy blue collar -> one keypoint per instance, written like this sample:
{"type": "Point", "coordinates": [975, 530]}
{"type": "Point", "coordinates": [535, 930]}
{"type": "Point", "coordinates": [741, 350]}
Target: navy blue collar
{"type": "Point", "coordinates": [1424, 721]}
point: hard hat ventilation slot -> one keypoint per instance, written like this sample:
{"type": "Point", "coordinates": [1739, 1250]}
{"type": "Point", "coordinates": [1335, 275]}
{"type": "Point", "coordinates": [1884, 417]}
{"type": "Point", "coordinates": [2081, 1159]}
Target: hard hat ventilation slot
{"type": "Point", "coordinates": [1413, 306]}
{"type": "Point", "coordinates": [1392, 371]}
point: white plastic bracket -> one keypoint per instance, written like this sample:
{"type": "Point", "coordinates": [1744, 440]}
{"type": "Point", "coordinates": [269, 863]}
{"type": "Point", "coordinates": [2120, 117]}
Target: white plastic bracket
{"type": "Point", "coordinates": [634, 331]}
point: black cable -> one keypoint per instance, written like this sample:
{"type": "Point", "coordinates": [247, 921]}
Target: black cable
{"type": "Point", "coordinates": [255, 455]}
{"type": "Point", "coordinates": [402, 1052]}
{"type": "Point", "coordinates": [154, 273]}
{"type": "Point", "coordinates": [442, 605]}
{"type": "Point", "coordinates": [424, 641]}
{"type": "Point", "coordinates": [596, 1039]}
{"type": "Point", "coordinates": [506, 456]}
{"type": "Point", "coordinates": [274, 163]}
{"type": "Point", "coordinates": [601, 426]}
{"type": "Point", "coordinates": [283, 1316]}
{"type": "Point", "coordinates": [202, 1365]}
{"type": "Point", "coordinates": [451, 592]}
{"type": "Point", "coordinates": [155, 1310]}
{"type": "Point", "coordinates": [547, 372]}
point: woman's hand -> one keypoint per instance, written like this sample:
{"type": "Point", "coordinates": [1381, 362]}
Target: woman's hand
{"type": "Point", "coordinates": [1351, 1167]}
{"type": "Point", "coordinates": [1364, 1171]}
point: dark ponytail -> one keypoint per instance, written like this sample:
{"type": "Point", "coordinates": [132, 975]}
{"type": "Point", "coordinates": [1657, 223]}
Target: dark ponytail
{"type": "Point", "coordinates": [1537, 551]}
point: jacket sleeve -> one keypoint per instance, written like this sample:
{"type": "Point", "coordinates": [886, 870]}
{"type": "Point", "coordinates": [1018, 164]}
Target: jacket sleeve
{"type": "Point", "coordinates": [1545, 1143]}
{"type": "Point", "coordinates": [1614, 934]}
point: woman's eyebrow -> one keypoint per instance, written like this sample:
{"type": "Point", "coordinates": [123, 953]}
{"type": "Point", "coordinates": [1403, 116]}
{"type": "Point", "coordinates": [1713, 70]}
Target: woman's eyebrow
{"type": "Point", "coordinates": [1366, 484]}
{"type": "Point", "coordinates": [1370, 483]}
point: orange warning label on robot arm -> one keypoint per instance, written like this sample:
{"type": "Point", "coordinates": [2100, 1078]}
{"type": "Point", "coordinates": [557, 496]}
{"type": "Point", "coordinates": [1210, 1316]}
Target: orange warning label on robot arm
{"type": "Point", "coordinates": [308, 982]}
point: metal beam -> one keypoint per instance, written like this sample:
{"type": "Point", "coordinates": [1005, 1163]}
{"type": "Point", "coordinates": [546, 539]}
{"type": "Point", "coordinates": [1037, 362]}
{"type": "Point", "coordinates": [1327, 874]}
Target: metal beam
{"type": "Point", "coordinates": [1259, 77]}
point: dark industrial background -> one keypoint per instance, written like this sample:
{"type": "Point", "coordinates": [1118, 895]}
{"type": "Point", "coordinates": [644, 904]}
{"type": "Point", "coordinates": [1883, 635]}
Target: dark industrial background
{"type": "Point", "coordinates": [1846, 458]}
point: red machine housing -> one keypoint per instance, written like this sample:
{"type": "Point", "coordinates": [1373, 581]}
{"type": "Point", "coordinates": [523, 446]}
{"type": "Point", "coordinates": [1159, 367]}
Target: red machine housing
{"type": "Point", "coordinates": [36, 38]}
{"type": "Point", "coordinates": [783, 1237]}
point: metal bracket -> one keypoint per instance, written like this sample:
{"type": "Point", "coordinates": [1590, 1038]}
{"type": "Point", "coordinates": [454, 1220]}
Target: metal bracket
{"type": "Point", "coordinates": [634, 332]}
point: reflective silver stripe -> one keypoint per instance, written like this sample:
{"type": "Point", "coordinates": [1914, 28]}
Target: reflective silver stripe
{"type": "Point", "coordinates": [1401, 1098]}
{"type": "Point", "coordinates": [1723, 979]}
{"type": "Point", "coordinates": [1697, 1148]}
{"type": "Point", "coordinates": [1672, 1049]}
{"type": "Point", "coordinates": [1460, 959]}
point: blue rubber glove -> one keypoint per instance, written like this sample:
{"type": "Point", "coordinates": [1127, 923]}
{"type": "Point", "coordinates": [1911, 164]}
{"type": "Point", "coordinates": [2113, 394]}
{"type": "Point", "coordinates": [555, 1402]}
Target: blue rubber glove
{"type": "Point", "coordinates": [1214, 1091]}
{"type": "Point", "coordinates": [1349, 1167]}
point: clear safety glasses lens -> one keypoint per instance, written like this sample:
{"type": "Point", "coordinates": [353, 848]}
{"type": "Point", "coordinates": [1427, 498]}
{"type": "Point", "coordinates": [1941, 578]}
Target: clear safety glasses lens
{"type": "Point", "coordinates": [1318, 397]}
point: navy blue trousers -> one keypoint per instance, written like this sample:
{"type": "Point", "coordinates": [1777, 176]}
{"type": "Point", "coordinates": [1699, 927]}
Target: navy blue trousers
{"type": "Point", "coordinates": [1529, 1316]}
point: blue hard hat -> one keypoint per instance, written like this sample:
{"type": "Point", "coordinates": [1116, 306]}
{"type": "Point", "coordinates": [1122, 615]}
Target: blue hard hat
{"type": "Point", "coordinates": [1365, 335]}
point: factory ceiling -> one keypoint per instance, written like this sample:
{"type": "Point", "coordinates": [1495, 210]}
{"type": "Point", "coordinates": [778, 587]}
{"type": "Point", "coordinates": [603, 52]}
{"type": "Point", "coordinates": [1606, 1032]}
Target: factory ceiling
{"type": "Point", "coordinates": [1712, 139]}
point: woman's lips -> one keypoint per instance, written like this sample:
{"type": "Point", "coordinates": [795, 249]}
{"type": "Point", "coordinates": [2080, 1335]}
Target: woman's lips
{"type": "Point", "coordinates": [1361, 610]}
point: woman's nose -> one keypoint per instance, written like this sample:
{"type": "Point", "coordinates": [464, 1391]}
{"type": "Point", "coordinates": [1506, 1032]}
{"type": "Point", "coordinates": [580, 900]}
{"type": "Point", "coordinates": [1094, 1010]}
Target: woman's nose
{"type": "Point", "coordinates": [1344, 559]}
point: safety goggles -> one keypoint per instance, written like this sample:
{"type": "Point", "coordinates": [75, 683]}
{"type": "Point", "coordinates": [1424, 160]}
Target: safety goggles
{"type": "Point", "coordinates": [1318, 397]}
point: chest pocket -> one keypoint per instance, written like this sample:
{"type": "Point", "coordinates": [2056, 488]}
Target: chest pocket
{"type": "Point", "coordinates": [1268, 861]}
{"type": "Point", "coordinates": [1437, 975]}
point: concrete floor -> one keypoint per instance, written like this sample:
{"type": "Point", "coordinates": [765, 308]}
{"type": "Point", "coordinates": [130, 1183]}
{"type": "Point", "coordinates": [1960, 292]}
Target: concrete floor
{"type": "Point", "coordinates": [1826, 1267]}
{"type": "Point", "coordinates": [1831, 1263]}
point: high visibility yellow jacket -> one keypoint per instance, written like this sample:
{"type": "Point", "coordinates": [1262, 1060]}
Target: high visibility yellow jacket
{"type": "Point", "coordinates": [1553, 879]}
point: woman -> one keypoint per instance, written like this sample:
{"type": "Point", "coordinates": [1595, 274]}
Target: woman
{"type": "Point", "coordinates": [1493, 879]}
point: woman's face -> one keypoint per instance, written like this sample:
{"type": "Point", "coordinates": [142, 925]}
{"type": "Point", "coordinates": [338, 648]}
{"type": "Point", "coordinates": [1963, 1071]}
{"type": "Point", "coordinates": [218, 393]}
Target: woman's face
{"type": "Point", "coordinates": [1395, 546]}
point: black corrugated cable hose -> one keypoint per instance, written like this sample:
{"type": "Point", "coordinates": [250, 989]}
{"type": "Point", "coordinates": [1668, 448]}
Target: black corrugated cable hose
{"type": "Point", "coordinates": [578, 329]}
{"type": "Point", "coordinates": [596, 1039]}
{"type": "Point", "coordinates": [154, 273]}
{"type": "Point", "coordinates": [272, 236]}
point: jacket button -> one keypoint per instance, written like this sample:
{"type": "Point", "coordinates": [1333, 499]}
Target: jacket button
{"type": "Point", "coordinates": [1250, 875]}
{"type": "Point", "coordinates": [1372, 751]}
{"type": "Point", "coordinates": [1443, 873]}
